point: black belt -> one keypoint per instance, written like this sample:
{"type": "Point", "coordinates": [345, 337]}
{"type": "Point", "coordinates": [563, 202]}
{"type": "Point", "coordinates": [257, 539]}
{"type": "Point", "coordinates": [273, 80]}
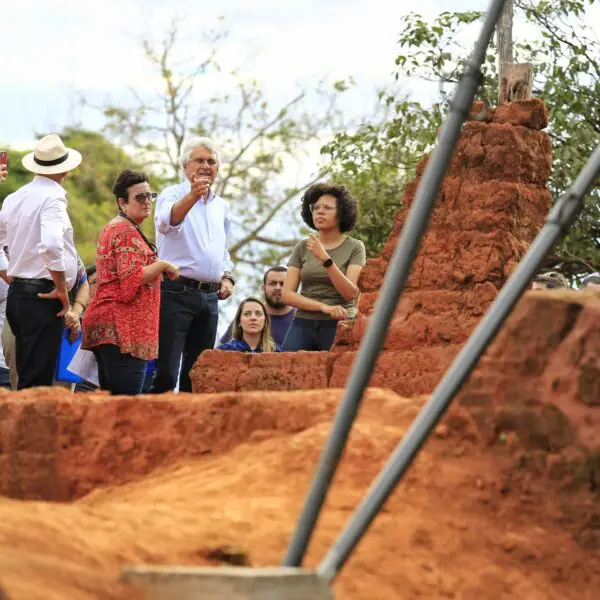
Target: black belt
{"type": "Point", "coordinates": [203, 286]}
{"type": "Point", "coordinates": [32, 282]}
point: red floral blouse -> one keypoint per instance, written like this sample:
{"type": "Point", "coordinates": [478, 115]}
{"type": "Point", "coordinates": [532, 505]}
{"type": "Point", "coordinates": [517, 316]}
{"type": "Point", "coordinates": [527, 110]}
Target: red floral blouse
{"type": "Point", "coordinates": [124, 312]}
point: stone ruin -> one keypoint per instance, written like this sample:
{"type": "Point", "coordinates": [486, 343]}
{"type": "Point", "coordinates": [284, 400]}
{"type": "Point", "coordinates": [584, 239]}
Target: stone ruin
{"type": "Point", "coordinates": [502, 502]}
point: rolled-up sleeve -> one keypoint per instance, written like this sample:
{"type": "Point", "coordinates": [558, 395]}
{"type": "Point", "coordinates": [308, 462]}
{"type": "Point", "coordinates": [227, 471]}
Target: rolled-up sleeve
{"type": "Point", "coordinates": [162, 215]}
{"type": "Point", "coordinates": [130, 261]}
{"type": "Point", "coordinates": [54, 223]}
{"type": "Point", "coordinates": [227, 263]}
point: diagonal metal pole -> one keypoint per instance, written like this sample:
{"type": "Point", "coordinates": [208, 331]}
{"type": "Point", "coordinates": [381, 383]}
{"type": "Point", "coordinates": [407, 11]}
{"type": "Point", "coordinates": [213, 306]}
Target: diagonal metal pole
{"type": "Point", "coordinates": [395, 279]}
{"type": "Point", "coordinates": [558, 222]}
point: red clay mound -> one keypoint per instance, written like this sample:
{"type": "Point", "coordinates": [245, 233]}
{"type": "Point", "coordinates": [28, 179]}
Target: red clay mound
{"type": "Point", "coordinates": [492, 203]}
{"type": "Point", "coordinates": [468, 522]}
{"type": "Point", "coordinates": [540, 379]}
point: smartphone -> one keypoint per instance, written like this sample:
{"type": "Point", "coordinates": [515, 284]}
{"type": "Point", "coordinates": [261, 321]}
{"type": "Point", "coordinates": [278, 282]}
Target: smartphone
{"type": "Point", "coordinates": [3, 157]}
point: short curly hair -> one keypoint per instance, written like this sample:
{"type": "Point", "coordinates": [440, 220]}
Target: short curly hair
{"type": "Point", "coordinates": [346, 204]}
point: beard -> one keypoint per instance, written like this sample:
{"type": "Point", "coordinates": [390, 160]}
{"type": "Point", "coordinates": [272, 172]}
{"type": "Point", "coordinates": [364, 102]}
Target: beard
{"type": "Point", "coordinates": [274, 302]}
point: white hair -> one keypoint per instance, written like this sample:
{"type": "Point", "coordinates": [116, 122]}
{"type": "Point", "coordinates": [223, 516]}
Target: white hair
{"type": "Point", "coordinates": [199, 142]}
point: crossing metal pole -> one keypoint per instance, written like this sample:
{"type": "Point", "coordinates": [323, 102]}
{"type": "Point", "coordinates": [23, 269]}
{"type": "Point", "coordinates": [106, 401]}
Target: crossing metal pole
{"type": "Point", "coordinates": [393, 284]}
{"type": "Point", "coordinates": [558, 222]}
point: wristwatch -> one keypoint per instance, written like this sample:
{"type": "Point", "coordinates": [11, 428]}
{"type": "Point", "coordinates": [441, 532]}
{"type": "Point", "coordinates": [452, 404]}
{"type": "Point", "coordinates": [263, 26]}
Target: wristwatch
{"type": "Point", "coordinates": [327, 263]}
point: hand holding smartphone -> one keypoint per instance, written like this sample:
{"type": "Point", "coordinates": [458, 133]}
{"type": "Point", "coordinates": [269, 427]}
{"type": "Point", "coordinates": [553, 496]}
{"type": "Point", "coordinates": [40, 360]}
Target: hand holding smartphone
{"type": "Point", "coordinates": [3, 165]}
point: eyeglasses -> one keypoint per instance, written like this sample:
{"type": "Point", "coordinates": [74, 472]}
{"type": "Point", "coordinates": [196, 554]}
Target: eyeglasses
{"type": "Point", "coordinates": [324, 207]}
{"type": "Point", "coordinates": [143, 197]}
{"type": "Point", "coordinates": [211, 162]}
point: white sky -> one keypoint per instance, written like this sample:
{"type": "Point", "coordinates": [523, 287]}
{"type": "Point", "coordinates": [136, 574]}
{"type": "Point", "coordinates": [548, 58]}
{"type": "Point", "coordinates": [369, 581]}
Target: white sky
{"type": "Point", "coordinates": [52, 50]}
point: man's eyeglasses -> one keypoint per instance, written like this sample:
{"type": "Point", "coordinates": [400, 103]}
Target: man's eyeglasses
{"type": "Point", "coordinates": [324, 207]}
{"type": "Point", "coordinates": [147, 197]}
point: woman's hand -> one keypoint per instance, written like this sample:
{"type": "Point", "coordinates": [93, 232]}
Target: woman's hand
{"type": "Point", "coordinates": [73, 324]}
{"type": "Point", "coordinates": [171, 270]}
{"type": "Point", "coordinates": [314, 246]}
{"type": "Point", "coordinates": [339, 313]}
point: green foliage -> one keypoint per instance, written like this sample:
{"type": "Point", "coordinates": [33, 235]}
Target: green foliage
{"type": "Point", "coordinates": [91, 203]}
{"type": "Point", "coordinates": [566, 59]}
{"type": "Point", "coordinates": [377, 162]}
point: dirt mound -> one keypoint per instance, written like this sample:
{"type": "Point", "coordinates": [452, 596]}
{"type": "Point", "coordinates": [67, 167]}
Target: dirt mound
{"type": "Point", "coordinates": [468, 522]}
{"type": "Point", "coordinates": [492, 203]}
{"type": "Point", "coordinates": [58, 446]}
{"type": "Point", "coordinates": [539, 383]}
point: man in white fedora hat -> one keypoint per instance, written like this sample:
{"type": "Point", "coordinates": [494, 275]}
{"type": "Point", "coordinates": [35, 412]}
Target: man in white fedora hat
{"type": "Point", "coordinates": [35, 226]}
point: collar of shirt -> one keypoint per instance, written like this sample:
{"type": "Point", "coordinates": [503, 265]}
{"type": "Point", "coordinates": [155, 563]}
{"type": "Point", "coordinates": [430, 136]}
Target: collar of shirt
{"type": "Point", "coordinates": [41, 181]}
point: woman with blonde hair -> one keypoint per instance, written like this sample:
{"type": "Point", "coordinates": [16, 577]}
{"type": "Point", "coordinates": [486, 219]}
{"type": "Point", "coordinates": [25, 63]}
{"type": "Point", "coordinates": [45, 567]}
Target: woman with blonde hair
{"type": "Point", "coordinates": [251, 329]}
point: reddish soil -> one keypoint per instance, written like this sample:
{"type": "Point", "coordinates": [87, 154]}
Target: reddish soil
{"type": "Point", "coordinates": [492, 203]}
{"type": "Point", "coordinates": [469, 521]}
{"type": "Point", "coordinates": [501, 504]}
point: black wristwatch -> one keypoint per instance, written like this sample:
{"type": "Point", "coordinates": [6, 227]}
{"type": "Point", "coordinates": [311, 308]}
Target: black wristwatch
{"type": "Point", "coordinates": [327, 263]}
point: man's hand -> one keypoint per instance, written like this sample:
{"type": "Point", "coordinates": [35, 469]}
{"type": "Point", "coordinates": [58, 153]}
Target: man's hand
{"type": "Point", "coordinates": [3, 173]}
{"type": "Point", "coordinates": [171, 271]}
{"type": "Point", "coordinates": [339, 313]}
{"type": "Point", "coordinates": [225, 289]}
{"type": "Point", "coordinates": [58, 294]}
{"type": "Point", "coordinates": [200, 187]}
{"type": "Point", "coordinates": [314, 246]}
{"type": "Point", "coordinates": [73, 324]}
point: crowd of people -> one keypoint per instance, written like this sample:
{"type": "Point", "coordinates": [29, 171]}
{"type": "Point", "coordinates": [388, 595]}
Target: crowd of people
{"type": "Point", "coordinates": [147, 311]}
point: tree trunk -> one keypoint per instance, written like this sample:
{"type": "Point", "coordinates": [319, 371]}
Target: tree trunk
{"type": "Point", "coordinates": [505, 43]}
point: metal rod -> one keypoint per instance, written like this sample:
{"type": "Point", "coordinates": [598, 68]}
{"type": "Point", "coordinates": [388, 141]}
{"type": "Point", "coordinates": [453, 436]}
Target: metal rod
{"type": "Point", "coordinates": [395, 279]}
{"type": "Point", "coordinates": [559, 220]}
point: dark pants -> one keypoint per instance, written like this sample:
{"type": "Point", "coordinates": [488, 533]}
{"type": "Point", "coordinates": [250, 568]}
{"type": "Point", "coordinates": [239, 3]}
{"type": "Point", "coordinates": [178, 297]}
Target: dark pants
{"type": "Point", "coordinates": [37, 329]}
{"type": "Point", "coordinates": [188, 325]}
{"type": "Point", "coordinates": [4, 378]}
{"type": "Point", "coordinates": [119, 373]}
{"type": "Point", "coordinates": [309, 334]}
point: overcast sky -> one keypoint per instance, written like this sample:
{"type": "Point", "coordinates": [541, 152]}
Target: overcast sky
{"type": "Point", "coordinates": [51, 51]}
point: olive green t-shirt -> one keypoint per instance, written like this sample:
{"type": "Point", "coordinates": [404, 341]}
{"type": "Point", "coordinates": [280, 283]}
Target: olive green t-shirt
{"type": "Point", "coordinates": [314, 280]}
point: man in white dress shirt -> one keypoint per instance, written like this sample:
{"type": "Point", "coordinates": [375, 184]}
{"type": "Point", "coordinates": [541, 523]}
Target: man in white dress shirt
{"type": "Point", "coordinates": [192, 227]}
{"type": "Point", "coordinates": [35, 226]}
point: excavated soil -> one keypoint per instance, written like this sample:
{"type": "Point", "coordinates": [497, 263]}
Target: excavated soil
{"type": "Point", "coordinates": [469, 521]}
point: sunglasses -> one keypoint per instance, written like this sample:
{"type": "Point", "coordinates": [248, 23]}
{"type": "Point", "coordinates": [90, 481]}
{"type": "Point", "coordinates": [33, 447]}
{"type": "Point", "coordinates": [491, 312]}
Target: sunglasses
{"type": "Point", "coordinates": [143, 197]}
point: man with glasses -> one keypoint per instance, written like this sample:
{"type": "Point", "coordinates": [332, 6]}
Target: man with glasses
{"type": "Point", "coordinates": [192, 228]}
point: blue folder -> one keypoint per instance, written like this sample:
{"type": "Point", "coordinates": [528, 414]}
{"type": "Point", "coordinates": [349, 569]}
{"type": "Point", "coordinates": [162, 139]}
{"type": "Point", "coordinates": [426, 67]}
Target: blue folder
{"type": "Point", "coordinates": [66, 354]}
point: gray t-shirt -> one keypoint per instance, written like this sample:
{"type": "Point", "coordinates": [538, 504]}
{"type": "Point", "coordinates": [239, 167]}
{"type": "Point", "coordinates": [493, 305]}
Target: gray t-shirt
{"type": "Point", "coordinates": [315, 282]}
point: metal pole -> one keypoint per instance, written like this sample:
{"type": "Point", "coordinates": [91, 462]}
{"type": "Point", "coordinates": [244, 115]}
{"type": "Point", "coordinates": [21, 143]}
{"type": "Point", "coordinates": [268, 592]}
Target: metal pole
{"type": "Point", "coordinates": [559, 220]}
{"type": "Point", "coordinates": [393, 285]}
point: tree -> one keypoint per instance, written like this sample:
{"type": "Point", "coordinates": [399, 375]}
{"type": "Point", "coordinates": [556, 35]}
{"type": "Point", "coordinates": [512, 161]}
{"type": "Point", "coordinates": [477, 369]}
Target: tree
{"type": "Point", "coordinates": [262, 144]}
{"type": "Point", "coordinates": [91, 202]}
{"type": "Point", "coordinates": [566, 59]}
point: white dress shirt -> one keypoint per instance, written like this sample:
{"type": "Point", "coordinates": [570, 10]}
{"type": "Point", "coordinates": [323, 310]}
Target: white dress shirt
{"type": "Point", "coordinates": [3, 298]}
{"type": "Point", "coordinates": [198, 245]}
{"type": "Point", "coordinates": [35, 226]}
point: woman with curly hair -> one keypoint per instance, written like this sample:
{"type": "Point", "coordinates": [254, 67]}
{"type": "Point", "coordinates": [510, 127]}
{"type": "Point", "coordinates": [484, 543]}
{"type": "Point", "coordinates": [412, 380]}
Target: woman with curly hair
{"type": "Point", "coordinates": [251, 329]}
{"type": "Point", "coordinates": [327, 266]}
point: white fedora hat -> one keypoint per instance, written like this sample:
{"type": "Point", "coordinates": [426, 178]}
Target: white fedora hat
{"type": "Point", "coordinates": [51, 156]}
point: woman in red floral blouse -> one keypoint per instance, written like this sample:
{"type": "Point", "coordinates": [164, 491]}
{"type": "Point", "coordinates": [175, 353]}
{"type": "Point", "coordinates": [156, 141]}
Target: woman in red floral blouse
{"type": "Point", "coordinates": [121, 323]}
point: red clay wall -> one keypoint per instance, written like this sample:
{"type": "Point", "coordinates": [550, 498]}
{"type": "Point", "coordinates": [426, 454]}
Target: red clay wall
{"type": "Point", "coordinates": [492, 203]}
